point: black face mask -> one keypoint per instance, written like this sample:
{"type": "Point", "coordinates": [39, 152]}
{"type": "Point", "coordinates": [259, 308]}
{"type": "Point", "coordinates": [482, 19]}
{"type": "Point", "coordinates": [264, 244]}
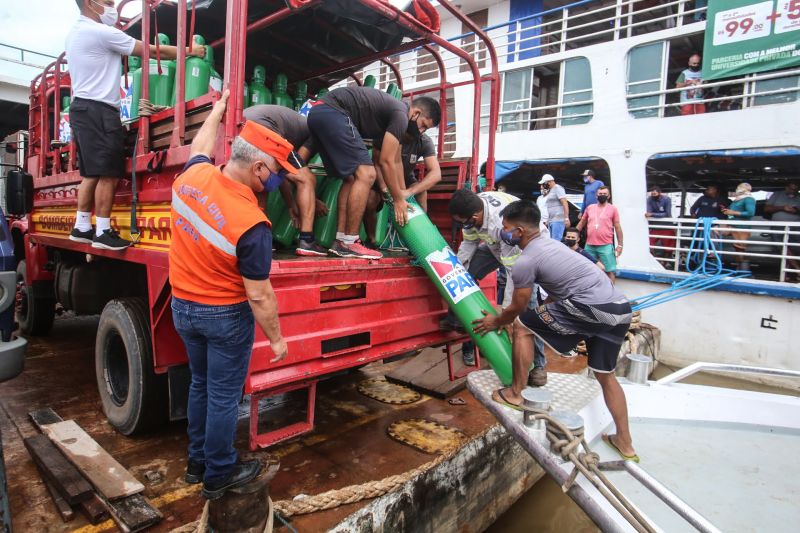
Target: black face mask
{"type": "Point", "coordinates": [413, 129]}
{"type": "Point", "coordinates": [570, 242]}
{"type": "Point", "coordinates": [602, 199]}
{"type": "Point", "coordinates": [694, 68]}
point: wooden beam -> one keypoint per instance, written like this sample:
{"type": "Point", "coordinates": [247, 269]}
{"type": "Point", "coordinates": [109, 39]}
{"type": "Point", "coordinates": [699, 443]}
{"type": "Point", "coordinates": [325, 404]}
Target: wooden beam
{"type": "Point", "coordinates": [70, 484]}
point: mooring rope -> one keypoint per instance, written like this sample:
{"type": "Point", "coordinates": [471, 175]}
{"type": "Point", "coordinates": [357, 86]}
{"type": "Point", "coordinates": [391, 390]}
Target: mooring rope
{"type": "Point", "coordinates": [566, 443]}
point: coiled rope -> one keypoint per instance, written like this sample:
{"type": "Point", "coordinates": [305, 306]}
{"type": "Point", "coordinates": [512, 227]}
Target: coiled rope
{"type": "Point", "coordinates": [704, 265]}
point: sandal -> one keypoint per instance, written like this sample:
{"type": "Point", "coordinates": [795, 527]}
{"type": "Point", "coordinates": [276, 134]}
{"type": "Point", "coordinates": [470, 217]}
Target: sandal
{"type": "Point", "coordinates": [607, 440]}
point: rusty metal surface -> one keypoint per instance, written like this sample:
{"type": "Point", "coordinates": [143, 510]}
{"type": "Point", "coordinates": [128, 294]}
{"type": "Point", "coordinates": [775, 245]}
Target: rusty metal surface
{"type": "Point", "coordinates": [427, 435]}
{"type": "Point", "coordinates": [349, 445]}
{"type": "Point", "coordinates": [386, 392]}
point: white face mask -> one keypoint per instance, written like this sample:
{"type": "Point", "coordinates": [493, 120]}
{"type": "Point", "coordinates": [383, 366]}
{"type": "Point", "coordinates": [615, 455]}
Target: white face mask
{"type": "Point", "coordinates": [109, 16]}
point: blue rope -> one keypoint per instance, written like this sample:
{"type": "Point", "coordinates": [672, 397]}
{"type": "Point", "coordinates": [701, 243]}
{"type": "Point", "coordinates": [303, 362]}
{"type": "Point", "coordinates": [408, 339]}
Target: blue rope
{"type": "Point", "coordinates": [704, 265]}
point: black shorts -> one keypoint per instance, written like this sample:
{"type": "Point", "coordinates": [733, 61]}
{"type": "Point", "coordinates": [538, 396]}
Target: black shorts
{"type": "Point", "coordinates": [564, 324]}
{"type": "Point", "coordinates": [340, 144]}
{"type": "Point", "coordinates": [100, 137]}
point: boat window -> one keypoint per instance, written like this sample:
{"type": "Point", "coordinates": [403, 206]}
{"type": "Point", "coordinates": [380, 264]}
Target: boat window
{"type": "Point", "coordinates": [762, 241]}
{"type": "Point", "coordinates": [578, 91]}
{"type": "Point", "coordinates": [544, 97]}
{"type": "Point", "coordinates": [645, 66]}
{"type": "Point", "coordinates": [656, 74]}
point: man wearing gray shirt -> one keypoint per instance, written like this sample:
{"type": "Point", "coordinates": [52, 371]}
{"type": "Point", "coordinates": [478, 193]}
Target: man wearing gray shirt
{"type": "Point", "coordinates": [784, 206]}
{"type": "Point", "coordinates": [557, 207]}
{"type": "Point", "coordinates": [582, 305]}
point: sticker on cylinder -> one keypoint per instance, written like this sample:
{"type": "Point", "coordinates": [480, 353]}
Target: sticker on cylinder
{"type": "Point", "coordinates": [452, 274]}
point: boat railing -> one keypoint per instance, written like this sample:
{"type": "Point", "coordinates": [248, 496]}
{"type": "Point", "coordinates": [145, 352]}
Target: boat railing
{"type": "Point", "coordinates": [701, 366]}
{"type": "Point", "coordinates": [575, 25]}
{"type": "Point", "coordinates": [560, 29]}
{"type": "Point", "coordinates": [728, 95]}
{"type": "Point", "coordinates": [772, 248]}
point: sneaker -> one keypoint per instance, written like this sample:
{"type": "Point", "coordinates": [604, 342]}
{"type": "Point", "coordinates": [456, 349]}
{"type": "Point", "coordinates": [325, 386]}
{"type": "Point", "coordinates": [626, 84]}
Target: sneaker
{"type": "Point", "coordinates": [537, 377]}
{"type": "Point", "coordinates": [194, 472]}
{"type": "Point", "coordinates": [451, 325]}
{"type": "Point", "coordinates": [310, 249]}
{"type": "Point", "coordinates": [468, 358]}
{"type": "Point", "coordinates": [243, 472]}
{"type": "Point", "coordinates": [110, 240]}
{"type": "Point", "coordinates": [353, 250]}
{"type": "Point", "coordinates": [86, 237]}
{"type": "Point", "coordinates": [372, 245]}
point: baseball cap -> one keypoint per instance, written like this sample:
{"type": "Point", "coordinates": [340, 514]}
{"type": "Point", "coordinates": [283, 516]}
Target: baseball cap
{"type": "Point", "coordinates": [546, 178]}
{"type": "Point", "coordinates": [588, 172]}
{"type": "Point", "coordinates": [272, 144]}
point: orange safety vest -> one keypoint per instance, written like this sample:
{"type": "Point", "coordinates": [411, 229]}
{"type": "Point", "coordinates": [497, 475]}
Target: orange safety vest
{"type": "Point", "coordinates": [209, 213]}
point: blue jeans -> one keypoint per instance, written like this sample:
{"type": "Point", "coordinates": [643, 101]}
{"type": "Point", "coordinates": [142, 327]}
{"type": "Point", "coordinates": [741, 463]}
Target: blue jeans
{"type": "Point", "coordinates": [219, 340]}
{"type": "Point", "coordinates": [556, 228]}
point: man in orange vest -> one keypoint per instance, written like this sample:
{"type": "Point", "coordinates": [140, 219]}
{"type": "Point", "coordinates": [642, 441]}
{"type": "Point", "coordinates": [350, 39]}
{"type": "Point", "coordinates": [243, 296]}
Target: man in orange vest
{"type": "Point", "coordinates": [219, 264]}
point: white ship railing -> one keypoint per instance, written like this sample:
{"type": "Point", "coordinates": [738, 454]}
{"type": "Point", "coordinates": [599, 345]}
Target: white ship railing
{"type": "Point", "coordinates": [575, 25]}
{"type": "Point", "coordinates": [769, 245]}
{"type": "Point", "coordinates": [746, 99]}
{"type": "Point", "coordinates": [700, 366]}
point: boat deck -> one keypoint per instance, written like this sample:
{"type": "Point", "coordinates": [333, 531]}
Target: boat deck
{"type": "Point", "coordinates": [350, 444]}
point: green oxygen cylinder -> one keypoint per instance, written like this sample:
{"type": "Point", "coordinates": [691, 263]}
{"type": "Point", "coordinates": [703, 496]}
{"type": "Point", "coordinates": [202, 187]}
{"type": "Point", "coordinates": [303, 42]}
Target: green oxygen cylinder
{"type": "Point", "coordinates": [198, 74]}
{"type": "Point", "coordinates": [394, 90]}
{"type": "Point", "coordinates": [162, 85]}
{"type": "Point", "coordinates": [259, 94]}
{"type": "Point", "coordinates": [382, 223]}
{"type": "Point", "coordinates": [64, 129]}
{"type": "Point", "coordinates": [136, 83]}
{"type": "Point", "coordinates": [279, 94]}
{"type": "Point", "coordinates": [370, 81]}
{"type": "Point", "coordinates": [215, 80]}
{"type": "Point", "coordinates": [300, 94]}
{"type": "Point", "coordinates": [245, 96]}
{"type": "Point", "coordinates": [276, 208]}
{"type": "Point", "coordinates": [461, 293]}
{"type": "Point", "coordinates": [325, 227]}
{"type": "Point", "coordinates": [322, 92]}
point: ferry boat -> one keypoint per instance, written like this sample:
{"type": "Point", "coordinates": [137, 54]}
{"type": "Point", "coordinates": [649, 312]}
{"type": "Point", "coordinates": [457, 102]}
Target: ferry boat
{"type": "Point", "coordinates": [590, 85]}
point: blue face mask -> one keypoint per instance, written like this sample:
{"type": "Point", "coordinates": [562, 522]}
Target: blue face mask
{"type": "Point", "coordinates": [274, 180]}
{"type": "Point", "coordinates": [508, 237]}
{"type": "Point", "coordinates": [468, 224]}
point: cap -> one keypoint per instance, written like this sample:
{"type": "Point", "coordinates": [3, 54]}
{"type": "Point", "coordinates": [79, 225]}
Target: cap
{"type": "Point", "coordinates": [272, 144]}
{"type": "Point", "coordinates": [588, 172]}
{"type": "Point", "coordinates": [546, 178]}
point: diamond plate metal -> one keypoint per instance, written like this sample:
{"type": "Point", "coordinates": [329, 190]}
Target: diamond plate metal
{"type": "Point", "coordinates": [571, 392]}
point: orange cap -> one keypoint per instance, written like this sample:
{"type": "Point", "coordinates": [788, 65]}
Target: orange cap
{"type": "Point", "coordinates": [270, 143]}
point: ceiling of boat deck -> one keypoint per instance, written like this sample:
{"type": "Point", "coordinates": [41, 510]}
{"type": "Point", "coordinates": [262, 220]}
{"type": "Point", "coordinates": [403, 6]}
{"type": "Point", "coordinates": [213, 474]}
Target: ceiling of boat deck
{"type": "Point", "coordinates": [303, 44]}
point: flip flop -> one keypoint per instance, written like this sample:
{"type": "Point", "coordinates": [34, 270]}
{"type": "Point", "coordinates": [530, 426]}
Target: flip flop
{"type": "Point", "coordinates": [505, 401]}
{"type": "Point", "coordinates": [607, 440]}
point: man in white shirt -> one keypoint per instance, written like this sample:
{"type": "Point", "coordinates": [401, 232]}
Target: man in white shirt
{"type": "Point", "coordinates": [94, 53]}
{"type": "Point", "coordinates": [557, 207]}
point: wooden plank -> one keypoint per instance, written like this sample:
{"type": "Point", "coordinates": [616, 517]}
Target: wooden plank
{"type": "Point", "coordinates": [428, 373]}
{"type": "Point", "coordinates": [419, 364]}
{"type": "Point", "coordinates": [68, 481]}
{"type": "Point", "coordinates": [42, 417]}
{"type": "Point", "coordinates": [133, 513]}
{"type": "Point", "coordinates": [94, 509]}
{"type": "Point", "coordinates": [64, 509]}
{"type": "Point", "coordinates": [109, 477]}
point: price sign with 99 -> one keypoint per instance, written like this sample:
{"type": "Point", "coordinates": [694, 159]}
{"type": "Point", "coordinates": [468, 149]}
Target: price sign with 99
{"type": "Point", "coordinates": [743, 23]}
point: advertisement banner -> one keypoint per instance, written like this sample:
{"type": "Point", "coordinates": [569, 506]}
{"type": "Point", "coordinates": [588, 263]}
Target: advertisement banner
{"type": "Point", "coordinates": [746, 36]}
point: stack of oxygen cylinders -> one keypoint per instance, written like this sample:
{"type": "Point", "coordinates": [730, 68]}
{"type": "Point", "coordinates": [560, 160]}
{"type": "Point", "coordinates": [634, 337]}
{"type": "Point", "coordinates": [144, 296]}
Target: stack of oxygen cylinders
{"type": "Point", "coordinates": [201, 78]}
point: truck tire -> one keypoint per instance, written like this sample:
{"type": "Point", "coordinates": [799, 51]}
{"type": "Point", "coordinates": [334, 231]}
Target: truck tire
{"type": "Point", "coordinates": [34, 312]}
{"type": "Point", "coordinates": [132, 394]}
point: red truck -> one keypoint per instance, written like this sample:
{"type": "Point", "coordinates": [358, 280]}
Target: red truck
{"type": "Point", "coordinates": [335, 313]}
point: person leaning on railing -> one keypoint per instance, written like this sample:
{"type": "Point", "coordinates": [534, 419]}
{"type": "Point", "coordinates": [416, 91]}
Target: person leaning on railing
{"type": "Point", "coordinates": [743, 207]}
